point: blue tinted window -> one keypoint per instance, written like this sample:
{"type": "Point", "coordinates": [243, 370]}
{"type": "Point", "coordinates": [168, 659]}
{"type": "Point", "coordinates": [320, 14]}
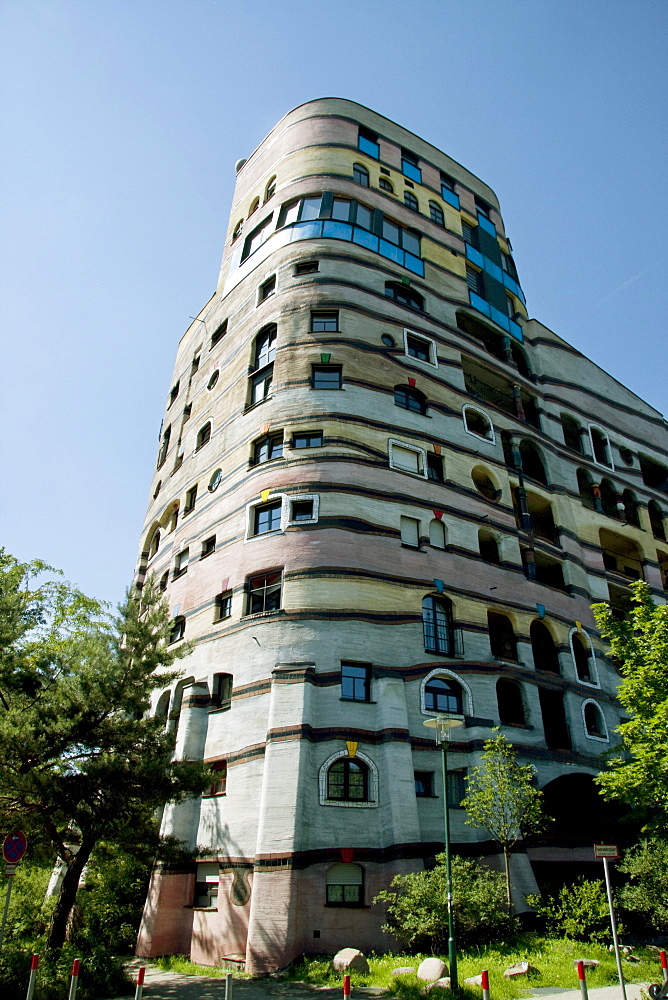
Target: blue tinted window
{"type": "Point", "coordinates": [409, 169]}
{"type": "Point", "coordinates": [368, 146]}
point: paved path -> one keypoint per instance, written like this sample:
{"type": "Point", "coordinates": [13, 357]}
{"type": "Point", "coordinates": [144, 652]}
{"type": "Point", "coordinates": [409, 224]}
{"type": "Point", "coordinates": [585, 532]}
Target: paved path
{"type": "Point", "coordinates": [160, 985]}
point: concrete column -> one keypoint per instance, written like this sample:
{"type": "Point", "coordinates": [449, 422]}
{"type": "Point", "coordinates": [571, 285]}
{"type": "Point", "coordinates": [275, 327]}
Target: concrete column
{"type": "Point", "coordinates": [181, 820]}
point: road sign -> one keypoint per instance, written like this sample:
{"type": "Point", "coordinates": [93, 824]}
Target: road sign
{"type": "Point", "coordinates": [610, 851]}
{"type": "Point", "coordinates": [14, 847]}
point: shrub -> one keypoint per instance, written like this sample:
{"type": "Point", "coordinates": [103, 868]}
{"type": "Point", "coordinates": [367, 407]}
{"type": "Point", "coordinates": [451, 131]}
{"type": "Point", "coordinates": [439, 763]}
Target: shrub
{"type": "Point", "coordinates": [646, 894]}
{"type": "Point", "coordinates": [579, 911]}
{"type": "Point", "coordinates": [101, 974]}
{"type": "Point", "coordinates": [417, 909]}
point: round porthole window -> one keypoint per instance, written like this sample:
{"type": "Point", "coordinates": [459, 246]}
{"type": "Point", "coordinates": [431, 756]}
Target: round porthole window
{"type": "Point", "coordinates": [212, 381]}
{"type": "Point", "coordinates": [215, 480]}
{"type": "Point", "coordinates": [388, 340]}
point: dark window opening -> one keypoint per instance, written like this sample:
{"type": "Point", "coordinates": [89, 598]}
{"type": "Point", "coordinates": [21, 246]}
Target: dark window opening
{"type": "Point", "coordinates": [489, 547]}
{"type": "Point", "coordinates": [594, 722]}
{"type": "Point", "coordinates": [438, 625]}
{"type": "Point", "coordinates": [436, 214]}
{"type": "Point", "coordinates": [532, 462]}
{"type": "Point", "coordinates": [208, 547]}
{"type": "Point", "coordinates": [653, 474]}
{"type": "Point", "coordinates": [219, 333]}
{"type": "Point", "coordinates": [478, 423]}
{"type": "Point", "coordinates": [404, 295]}
{"type": "Point", "coordinates": [410, 399]}
{"type": "Point", "coordinates": [443, 695]}
{"type": "Point", "coordinates": [178, 629]}
{"type": "Point", "coordinates": [434, 467]}
{"type": "Point", "coordinates": [545, 655]}
{"type": "Point", "coordinates": [555, 727]}
{"type": "Point", "coordinates": [601, 446]}
{"type": "Point", "coordinates": [385, 185]}
{"type": "Point", "coordinates": [203, 436]}
{"type": "Point", "coordinates": [221, 690]}
{"type": "Point", "coordinates": [301, 510]}
{"type": "Point", "coordinates": [360, 175]}
{"type": "Point", "coordinates": [174, 393]}
{"type": "Point", "coordinates": [307, 267]}
{"type": "Point", "coordinates": [484, 484]}
{"type": "Point", "coordinates": [348, 781]}
{"type": "Point", "coordinates": [267, 288]}
{"type": "Point", "coordinates": [424, 784]}
{"type": "Point", "coordinates": [455, 783]}
{"type": "Point", "coordinates": [572, 433]}
{"type": "Point", "coordinates": [656, 520]}
{"type": "Point", "coordinates": [410, 201]}
{"type": "Point", "coordinates": [418, 348]}
{"type": "Point", "coordinates": [222, 606]}
{"type": "Point", "coordinates": [509, 701]}
{"type": "Point", "coordinates": [582, 657]}
{"type": "Point", "coordinates": [501, 636]}
{"type": "Point", "coordinates": [191, 499]}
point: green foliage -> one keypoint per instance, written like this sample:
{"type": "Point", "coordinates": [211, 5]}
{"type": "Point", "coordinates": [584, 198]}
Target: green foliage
{"type": "Point", "coordinates": [29, 913]}
{"type": "Point", "coordinates": [646, 892]}
{"type": "Point", "coordinates": [110, 905]}
{"type": "Point", "coordinates": [183, 965]}
{"type": "Point", "coordinates": [637, 772]}
{"type": "Point", "coordinates": [418, 906]}
{"type": "Point", "coordinates": [579, 911]}
{"type": "Point", "coordinates": [101, 974]}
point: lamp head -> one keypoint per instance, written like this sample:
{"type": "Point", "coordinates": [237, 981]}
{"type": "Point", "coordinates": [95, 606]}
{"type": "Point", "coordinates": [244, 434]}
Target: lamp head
{"type": "Point", "coordinates": [443, 724]}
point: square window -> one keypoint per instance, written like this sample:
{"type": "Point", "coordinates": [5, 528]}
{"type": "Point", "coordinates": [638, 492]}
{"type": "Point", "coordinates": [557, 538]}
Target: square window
{"type": "Point", "coordinates": [301, 510]}
{"type": "Point", "coordinates": [307, 267]}
{"type": "Point", "coordinates": [406, 459]}
{"type": "Point", "coordinates": [424, 784]}
{"type": "Point", "coordinates": [326, 377]}
{"type": "Point", "coordinates": [418, 348]}
{"type": "Point", "coordinates": [208, 546]}
{"type": "Point", "coordinates": [307, 439]}
{"type": "Point", "coordinates": [355, 682]}
{"type": "Point", "coordinates": [267, 448]}
{"type": "Point", "coordinates": [324, 322]}
{"type": "Point", "coordinates": [409, 166]}
{"type": "Point", "coordinates": [267, 517]}
{"type": "Point", "coordinates": [264, 592]}
{"type": "Point", "coordinates": [222, 606]}
{"type": "Point", "coordinates": [267, 288]}
{"type": "Point", "coordinates": [367, 142]}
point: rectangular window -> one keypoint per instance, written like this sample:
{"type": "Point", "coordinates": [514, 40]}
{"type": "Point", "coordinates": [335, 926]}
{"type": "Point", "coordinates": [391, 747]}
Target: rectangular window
{"type": "Point", "coordinates": [219, 784]}
{"type": "Point", "coordinates": [174, 393]}
{"type": "Point", "coordinates": [367, 142]}
{"type": "Point", "coordinates": [255, 239]}
{"type": "Point", "coordinates": [217, 335]}
{"type": "Point", "coordinates": [324, 322]}
{"type": "Point", "coordinates": [208, 546]}
{"type": "Point", "coordinates": [469, 233]}
{"type": "Point", "coordinates": [344, 895]}
{"type": "Point", "coordinates": [409, 166]}
{"type": "Point", "coordinates": [222, 606]}
{"type": "Point", "coordinates": [474, 280]}
{"type": "Point", "coordinates": [301, 510]}
{"type": "Point", "coordinates": [267, 288]}
{"type": "Point", "coordinates": [424, 784]}
{"type": "Point", "coordinates": [407, 459]}
{"type": "Point", "coordinates": [355, 682]}
{"type": "Point", "coordinates": [307, 439]}
{"type": "Point", "coordinates": [267, 518]}
{"type": "Point", "coordinates": [260, 385]}
{"type": "Point", "coordinates": [191, 499]}
{"type": "Point", "coordinates": [206, 885]}
{"type": "Point", "coordinates": [410, 532]}
{"type": "Point", "coordinates": [307, 267]}
{"type": "Point", "coordinates": [264, 592]}
{"type": "Point", "coordinates": [221, 690]}
{"type": "Point", "coordinates": [418, 348]}
{"type": "Point", "coordinates": [181, 563]}
{"type": "Point", "coordinates": [326, 376]}
{"type": "Point", "coordinates": [456, 786]}
{"type": "Point", "coordinates": [267, 448]}
{"type": "Point", "coordinates": [434, 467]}
{"type": "Point", "coordinates": [341, 209]}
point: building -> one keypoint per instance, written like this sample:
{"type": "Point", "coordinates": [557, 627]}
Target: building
{"type": "Point", "coordinates": [382, 492]}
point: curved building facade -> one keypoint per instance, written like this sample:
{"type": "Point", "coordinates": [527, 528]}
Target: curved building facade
{"type": "Point", "coordinates": [382, 492]}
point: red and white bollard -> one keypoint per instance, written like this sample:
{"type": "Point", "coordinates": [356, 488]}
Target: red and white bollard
{"type": "Point", "coordinates": [140, 982]}
{"type": "Point", "coordinates": [346, 988]}
{"type": "Point", "coordinates": [583, 980]}
{"type": "Point", "coordinates": [33, 976]}
{"type": "Point", "coordinates": [664, 965]}
{"type": "Point", "coordinates": [484, 975]}
{"type": "Point", "coordinates": [74, 982]}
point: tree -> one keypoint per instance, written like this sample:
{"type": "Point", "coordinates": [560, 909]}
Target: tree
{"type": "Point", "coordinates": [637, 770]}
{"type": "Point", "coordinates": [646, 892]}
{"type": "Point", "coordinates": [79, 758]}
{"type": "Point", "coordinates": [501, 798]}
{"type": "Point", "coordinates": [417, 902]}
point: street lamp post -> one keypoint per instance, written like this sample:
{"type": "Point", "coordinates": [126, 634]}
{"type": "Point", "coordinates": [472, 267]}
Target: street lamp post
{"type": "Point", "coordinates": [443, 724]}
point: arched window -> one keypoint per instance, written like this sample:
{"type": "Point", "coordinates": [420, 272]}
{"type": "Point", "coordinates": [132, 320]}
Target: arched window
{"type": "Point", "coordinates": [404, 295]}
{"type": "Point", "coordinates": [582, 656]}
{"type": "Point", "coordinates": [164, 446]}
{"type": "Point", "coordinates": [585, 484]}
{"type": "Point", "coordinates": [594, 721]}
{"type": "Point", "coordinates": [348, 780]}
{"type": "Point", "coordinates": [385, 185]}
{"type": "Point", "coordinates": [630, 508]}
{"type": "Point", "coordinates": [501, 636]}
{"type": "Point", "coordinates": [600, 446]}
{"type": "Point", "coordinates": [410, 201]}
{"type": "Point", "coordinates": [254, 206]}
{"type": "Point", "coordinates": [437, 536]}
{"type": "Point", "coordinates": [203, 436]}
{"type": "Point", "coordinates": [437, 625]}
{"type": "Point", "coordinates": [489, 547]}
{"type": "Point", "coordinates": [532, 462]}
{"type": "Point", "coordinates": [609, 498]}
{"type": "Point", "coordinates": [410, 399]}
{"type": "Point", "coordinates": [520, 359]}
{"type": "Point", "coordinates": [270, 188]}
{"type": "Point", "coordinates": [484, 484]}
{"type": "Point", "coordinates": [265, 347]}
{"type": "Point", "coordinates": [436, 214]}
{"type": "Point", "coordinates": [442, 694]}
{"type": "Point", "coordinates": [572, 432]}
{"type": "Point", "coordinates": [656, 520]}
{"type": "Point", "coordinates": [477, 422]}
{"type": "Point", "coordinates": [345, 885]}
{"type": "Point", "coordinates": [545, 656]}
{"type": "Point", "coordinates": [237, 230]}
{"type": "Point", "coordinates": [162, 708]}
{"type": "Point", "coordinates": [360, 175]}
{"type": "Point", "coordinates": [155, 544]}
{"type": "Point", "coordinates": [509, 701]}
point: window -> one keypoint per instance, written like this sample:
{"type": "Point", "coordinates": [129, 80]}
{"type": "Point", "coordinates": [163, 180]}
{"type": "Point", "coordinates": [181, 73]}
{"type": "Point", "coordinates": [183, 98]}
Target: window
{"type": "Point", "coordinates": [301, 210]}
{"type": "Point", "coordinates": [367, 142]}
{"type": "Point", "coordinates": [437, 627]}
{"type": "Point", "coordinates": [600, 446]}
{"type": "Point", "coordinates": [501, 637]}
{"type": "Point", "coordinates": [455, 784]}
{"type": "Point", "coordinates": [181, 563]}
{"type": "Point", "coordinates": [302, 510]}
{"type": "Point", "coordinates": [324, 322]}
{"type": "Point", "coordinates": [326, 376]}
{"type": "Point", "coordinates": [203, 436]}
{"type": "Point", "coordinates": [410, 201]}
{"type": "Point", "coordinates": [222, 606]}
{"type": "Point", "coordinates": [158, 487]}
{"type": "Point", "coordinates": [404, 295]}
{"type": "Point", "coordinates": [216, 480]}
{"type": "Point", "coordinates": [255, 204]}
{"type": "Point", "coordinates": [595, 727]}
{"type": "Point", "coordinates": [409, 239]}
{"type": "Point", "coordinates": [348, 781]}
{"type": "Point", "coordinates": [212, 381]}
{"type": "Point", "coordinates": [206, 885]}
{"type": "Point", "coordinates": [385, 185]}
{"type": "Point", "coordinates": [221, 690]}
{"type": "Point", "coordinates": [583, 656]}
{"type": "Point", "coordinates": [174, 393]}
{"type": "Point", "coordinates": [469, 233]}
{"type": "Point", "coordinates": [424, 784]}
{"type": "Point", "coordinates": [360, 175]}
{"type": "Point", "coordinates": [307, 439]}
{"type": "Point", "coordinates": [407, 458]}
{"type": "Point", "coordinates": [509, 702]}
{"type": "Point", "coordinates": [448, 191]}
{"type": "Point", "coordinates": [345, 885]}
{"type": "Point", "coordinates": [410, 532]}
{"type": "Point", "coordinates": [268, 447]}
{"type": "Point", "coordinates": [410, 399]}
{"type": "Point", "coordinates": [270, 189]}
{"type": "Point", "coordinates": [436, 214]}
{"type": "Point", "coordinates": [474, 280]}
{"type": "Point", "coordinates": [191, 499]}
{"type": "Point", "coordinates": [187, 411]}
{"type": "Point", "coordinates": [420, 348]}
{"type": "Point", "coordinates": [267, 288]}
{"type": "Point", "coordinates": [656, 520]}
{"type": "Point", "coordinates": [174, 518]}
{"type": "Point", "coordinates": [442, 694]}
{"type": "Point", "coordinates": [267, 517]}
{"type": "Point", "coordinates": [434, 467]}
{"type": "Point", "coordinates": [543, 647]}
{"type": "Point", "coordinates": [388, 340]}
{"type": "Point", "coordinates": [478, 423]}
{"type": "Point", "coordinates": [218, 334]}
{"type": "Point", "coordinates": [164, 447]}
{"type": "Point", "coordinates": [178, 462]}
{"type": "Point", "coordinates": [572, 433]}
{"type": "Point", "coordinates": [208, 546]}
{"type": "Point", "coordinates": [258, 236]}
{"type": "Point", "coordinates": [264, 592]}
{"type": "Point", "coordinates": [164, 580]}
{"type": "Point", "coordinates": [218, 785]}
{"type": "Point", "coordinates": [237, 230]}
{"type": "Point", "coordinates": [484, 484]}
{"type": "Point", "coordinates": [355, 682]}
{"type": "Point", "coordinates": [265, 347]}
{"type": "Point", "coordinates": [489, 547]}
{"type": "Point", "coordinates": [307, 267]}
{"type": "Point", "coordinates": [154, 545]}
{"type": "Point", "coordinates": [260, 385]}
{"type": "Point", "coordinates": [409, 166]}
{"type": "Point", "coordinates": [437, 535]}
{"type": "Point", "coordinates": [177, 629]}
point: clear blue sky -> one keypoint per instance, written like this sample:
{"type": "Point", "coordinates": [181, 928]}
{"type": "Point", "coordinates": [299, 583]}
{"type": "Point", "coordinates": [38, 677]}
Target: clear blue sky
{"type": "Point", "coordinates": [121, 121]}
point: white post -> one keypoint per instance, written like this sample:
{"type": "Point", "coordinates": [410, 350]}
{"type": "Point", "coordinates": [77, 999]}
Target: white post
{"type": "Point", "coordinates": [33, 976]}
{"type": "Point", "coordinates": [613, 924]}
{"type": "Point", "coordinates": [228, 986]}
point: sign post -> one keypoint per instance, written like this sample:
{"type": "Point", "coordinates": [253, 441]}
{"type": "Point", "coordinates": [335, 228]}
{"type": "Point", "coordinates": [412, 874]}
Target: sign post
{"type": "Point", "coordinates": [607, 853]}
{"type": "Point", "coordinates": [13, 849]}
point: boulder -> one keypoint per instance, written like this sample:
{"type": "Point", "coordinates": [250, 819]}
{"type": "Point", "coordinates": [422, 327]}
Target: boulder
{"type": "Point", "coordinates": [350, 959]}
{"type": "Point", "coordinates": [403, 970]}
{"type": "Point", "coordinates": [589, 963]}
{"type": "Point", "coordinates": [442, 984]}
{"type": "Point", "coordinates": [519, 969]}
{"type": "Point", "coordinates": [431, 969]}
{"type": "Point", "coordinates": [474, 981]}
{"type": "Point", "coordinates": [631, 958]}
